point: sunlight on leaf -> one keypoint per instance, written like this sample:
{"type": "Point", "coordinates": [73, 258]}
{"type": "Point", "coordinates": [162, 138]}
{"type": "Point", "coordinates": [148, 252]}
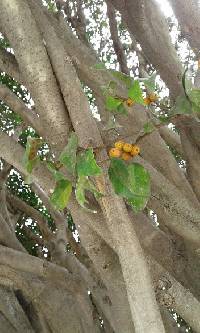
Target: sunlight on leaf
{"type": "Point", "coordinates": [87, 165]}
{"type": "Point", "coordinates": [135, 93]}
{"type": "Point", "coordinates": [61, 194]}
{"type": "Point", "coordinates": [112, 102]}
{"type": "Point", "coordinates": [68, 155]}
{"type": "Point", "coordinates": [131, 182]}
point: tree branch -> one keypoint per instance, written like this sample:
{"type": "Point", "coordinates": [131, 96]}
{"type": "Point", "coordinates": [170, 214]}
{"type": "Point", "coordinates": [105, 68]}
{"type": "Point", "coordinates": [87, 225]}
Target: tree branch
{"type": "Point", "coordinates": [36, 69]}
{"type": "Point", "coordinates": [27, 263]}
{"type": "Point", "coordinates": [73, 94]}
{"type": "Point", "coordinates": [145, 21]}
{"type": "Point", "coordinates": [33, 213]}
{"type": "Point", "coordinates": [116, 41]}
{"type": "Point", "coordinates": [184, 11]}
{"type": "Point", "coordinates": [16, 105]}
{"type": "Point", "coordinates": [172, 139]}
{"type": "Point", "coordinates": [9, 65]}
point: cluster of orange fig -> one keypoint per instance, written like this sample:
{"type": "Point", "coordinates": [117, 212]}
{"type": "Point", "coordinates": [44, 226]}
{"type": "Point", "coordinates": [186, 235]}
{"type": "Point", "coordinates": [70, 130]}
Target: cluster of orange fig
{"type": "Point", "coordinates": [125, 151]}
{"type": "Point", "coordinates": [152, 98]}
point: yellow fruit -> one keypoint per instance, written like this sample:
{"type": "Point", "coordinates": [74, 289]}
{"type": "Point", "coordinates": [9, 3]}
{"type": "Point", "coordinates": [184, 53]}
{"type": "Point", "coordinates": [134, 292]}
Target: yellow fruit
{"type": "Point", "coordinates": [135, 150]}
{"type": "Point", "coordinates": [114, 152]}
{"type": "Point", "coordinates": [127, 147]}
{"type": "Point", "coordinates": [147, 101]}
{"type": "Point", "coordinates": [126, 156]}
{"type": "Point", "coordinates": [129, 102]}
{"type": "Point", "coordinates": [119, 145]}
{"type": "Point", "coordinates": [153, 98]}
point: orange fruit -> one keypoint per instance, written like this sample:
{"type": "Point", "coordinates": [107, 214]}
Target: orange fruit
{"type": "Point", "coordinates": [129, 102]}
{"type": "Point", "coordinates": [126, 156]}
{"type": "Point", "coordinates": [153, 98]}
{"type": "Point", "coordinates": [147, 101]}
{"type": "Point", "coordinates": [119, 145]}
{"type": "Point", "coordinates": [127, 147]}
{"type": "Point", "coordinates": [135, 150]}
{"type": "Point", "coordinates": [114, 152]}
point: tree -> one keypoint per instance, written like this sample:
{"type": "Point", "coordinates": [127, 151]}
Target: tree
{"type": "Point", "coordinates": [84, 245]}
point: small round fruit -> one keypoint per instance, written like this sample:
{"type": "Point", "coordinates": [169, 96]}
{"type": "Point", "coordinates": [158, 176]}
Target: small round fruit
{"type": "Point", "coordinates": [129, 102]}
{"type": "Point", "coordinates": [127, 147]}
{"type": "Point", "coordinates": [153, 97]}
{"type": "Point", "coordinates": [147, 101]}
{"type": "Point", "coordinates": [119, 145]}
{"type": "Point", "coordinates": [135, 150]}
{"type": "Point", "coordinates": [126, 156]}
{"type": "Point", "coordinates": [114, 152]}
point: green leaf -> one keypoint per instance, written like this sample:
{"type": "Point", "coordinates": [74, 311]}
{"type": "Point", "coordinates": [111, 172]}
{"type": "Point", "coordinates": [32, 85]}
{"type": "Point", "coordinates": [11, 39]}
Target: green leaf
{"type": "Point", "coordinates": [182, 106]}
{"type": "Point", "coordinates": [150, 83]}
{"type": "Point", "coordinates": [82, 185]}
{"type": "Point", "coordinates": [112, 102]}
{"type": "Point", "coordinates": [122, 77]}
{"type": "Point", "coordinates": [30, 158]}
{"type": "Point", "coordinates": [139, 185]}
{"type": "Point", "coordinates": [131, 182]}
{"type": "Point", "coordinates": [135, 93]}
{"type": "Point", "coordinates": [118, 174]}
{"type": "Point", "coordinates": [80, 192]}
{"type": "Point", "coordinates": [121, 109]}
{"type": "Point", "coordinates": [68, 155]}
{"type": "Point", "coordinates": [91, 187]}
{"type": "Point", "coordinates": [86, 164]}
{"type": "Point", "coordinates": [61, 194]}
{"type": "Point", "coordinates": [148, 127]}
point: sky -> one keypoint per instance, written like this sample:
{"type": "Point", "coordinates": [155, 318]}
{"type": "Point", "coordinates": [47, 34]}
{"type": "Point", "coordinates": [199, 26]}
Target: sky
{"type": "Point", "coordinates": [165, 7]}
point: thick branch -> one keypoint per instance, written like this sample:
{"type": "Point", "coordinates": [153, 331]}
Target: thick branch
{"type": "Point", "coordinates": [188, 15]}
{"type": "Point", "coordinates": [36, 69]}
{"type": "Point", "coordinates": [70, 85]}
{"type": "Point", "coordinates": [27, 263]}
{"type": "Point", "coordinates": [171, 138]}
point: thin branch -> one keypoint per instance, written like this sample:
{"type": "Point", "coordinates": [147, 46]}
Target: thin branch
{"type": "Point", "coordinates": [77, 21]}
{"type": "Point", "coordinates": [33, 213]}
{"type": "Point", "coordinates": [16, 104]}
{"type": "Point", "coordinates": [8, 237]}
{"type": "Point", "coordinates": [9, 65]}
{"type": "Point", "coordinates": [146, 22]}
{"type": "Point", "coordinates": [121, 57]}
{"type": "Point", "coordinates": [3, 204]}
